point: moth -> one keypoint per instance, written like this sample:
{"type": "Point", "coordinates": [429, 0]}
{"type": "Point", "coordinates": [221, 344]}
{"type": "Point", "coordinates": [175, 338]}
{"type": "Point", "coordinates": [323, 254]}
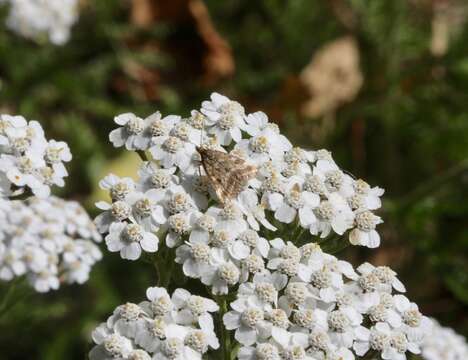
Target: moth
{"type": "Point", "coordinates": [227, 174]}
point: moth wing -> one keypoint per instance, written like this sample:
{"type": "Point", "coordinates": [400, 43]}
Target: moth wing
{"type": "Point", "coordinates": [237, 180]}
{"type": "Point", "coordinates": [211, 163]}
{"type": "Point", "coordinates": [218, 188]}
{"type": "Point", "coordinates": [228, 174]}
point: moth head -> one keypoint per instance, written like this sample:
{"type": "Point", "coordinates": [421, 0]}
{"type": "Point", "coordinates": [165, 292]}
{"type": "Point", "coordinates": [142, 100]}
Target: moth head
{"type": "Point", "coordinates": [201, 149]}
{"type": "Point", "coordinates": [201, 154]}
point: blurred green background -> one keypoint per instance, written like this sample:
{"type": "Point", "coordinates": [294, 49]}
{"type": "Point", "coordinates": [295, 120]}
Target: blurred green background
{"type": "Point", "coordinates": [393, 110]}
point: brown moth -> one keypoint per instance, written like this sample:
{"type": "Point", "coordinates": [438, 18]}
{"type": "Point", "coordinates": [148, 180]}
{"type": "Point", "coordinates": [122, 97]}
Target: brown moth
{"type": "Point", "coordinates": [228, 174]}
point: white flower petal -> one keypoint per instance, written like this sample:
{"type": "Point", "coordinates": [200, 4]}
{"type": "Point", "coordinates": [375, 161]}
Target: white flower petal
{"type": "Point", "coordinates": [131, 252]}
{"type": "Point", "coordinates": [285, 214]}
{"type": "Point", "coordinates": [245, 336]}
{"type": "Point", "coordinates": [231, 320]}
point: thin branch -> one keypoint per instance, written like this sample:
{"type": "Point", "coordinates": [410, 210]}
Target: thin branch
{"type": "Point", "coordinates": [434, 184]}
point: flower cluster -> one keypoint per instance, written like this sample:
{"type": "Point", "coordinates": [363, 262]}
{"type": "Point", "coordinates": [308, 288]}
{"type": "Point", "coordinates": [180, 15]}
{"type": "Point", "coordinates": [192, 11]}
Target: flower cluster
{"type": "Point", "coordinates": [45, 238]}
{"type": "Point", "coordinates": [177, 327]}
{"type": "Point", "coordinates": [27, 159]}
{"type": "Point", "coordinates": [172, 197]}
{"type": "Point", "coordinates": [42, 19]}
{"type": "Point", "coordinates": [48, 240]}
{"type": "Point", "coordinates": [292, 300]}
{"type": "Point", "coordinates": [324, 309]}
{"type": "Point", "coordinates": [444, 343]}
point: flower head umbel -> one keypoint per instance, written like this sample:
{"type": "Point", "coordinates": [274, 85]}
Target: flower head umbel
{"type": "Point", "coordinates": [51, 241]}
{"type": "Point", "coordinates": [37, 20]}
{"type": "Point", "coordinates": [226, 118]}
{"type": "Point", "coordinates": [162, 327]}
{"type": "Point", "coordinates": [28, 160]}
{"type": "Point", "coordinates": [134, 133]}
{"type": "Point", "coordinates": [444, 343]}
{"type": "Point", "coordinates": [255, 248]}
{"type": "Point", "coordinates": [324, 316]}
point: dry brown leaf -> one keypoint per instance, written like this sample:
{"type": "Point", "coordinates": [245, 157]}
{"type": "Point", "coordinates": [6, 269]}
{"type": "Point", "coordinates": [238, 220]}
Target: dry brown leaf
{"type": "Point", "coordinates": [218, 61]}
{"type": "Point", "coordinates": [203, 50]}
{"type": "Point", "coordinates": [142, 13]}
{"type": "Point", "coordinates": [332, 78]}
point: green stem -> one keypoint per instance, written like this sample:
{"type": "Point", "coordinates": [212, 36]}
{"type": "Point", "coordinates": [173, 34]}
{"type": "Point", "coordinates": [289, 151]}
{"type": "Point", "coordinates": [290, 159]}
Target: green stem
{"type": "Point", "coordinates": [235, 351]}
{"type": "Point", "coordinates": [224, 334]}
{"type": "Point", "coordinates": [299, 234]}
{"type": "Point", "coordinates": [371, 355]}
{"type": "Point", "coordinates": [434, 184]}
{"type": "Point", "coordinates": [292, 233]}
{"type": "Point", "coordinates": [334, 244]}
{"type": "Point", "coordinates": [14, 295]}
{"type": "Point", "coordinates": [154, 261]}
{"type": "Point", "coordinates": [9, 293]}
{"type": "Point", "coordinates": [142, 155]}
{"type": "Point", "coordinates": [158, 272]}
{"type": "Point", "coordinates": [168, 266]}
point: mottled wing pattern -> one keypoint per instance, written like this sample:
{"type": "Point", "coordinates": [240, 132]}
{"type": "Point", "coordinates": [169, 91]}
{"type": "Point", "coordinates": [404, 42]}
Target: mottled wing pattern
{"type": "Point", "coordinates": [228, 174]}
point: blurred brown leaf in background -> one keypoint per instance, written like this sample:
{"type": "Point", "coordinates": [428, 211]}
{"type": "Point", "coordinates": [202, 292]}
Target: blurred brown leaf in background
{"type": "Point", "coordinates": [332, 78]}
{"type": "Point", "coordinates": [198, 48]}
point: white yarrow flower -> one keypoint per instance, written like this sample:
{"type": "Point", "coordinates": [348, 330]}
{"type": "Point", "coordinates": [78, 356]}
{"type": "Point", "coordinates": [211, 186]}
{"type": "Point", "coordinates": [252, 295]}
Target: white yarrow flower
{"type": "Point", "coordinates": [130, 239]}
{"type": "Point", "coordinates": [132, 133]}
{"type": "Point", "coordinates": [46, 18]}
{"type": "Point", "coordinates": [228, 117]}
